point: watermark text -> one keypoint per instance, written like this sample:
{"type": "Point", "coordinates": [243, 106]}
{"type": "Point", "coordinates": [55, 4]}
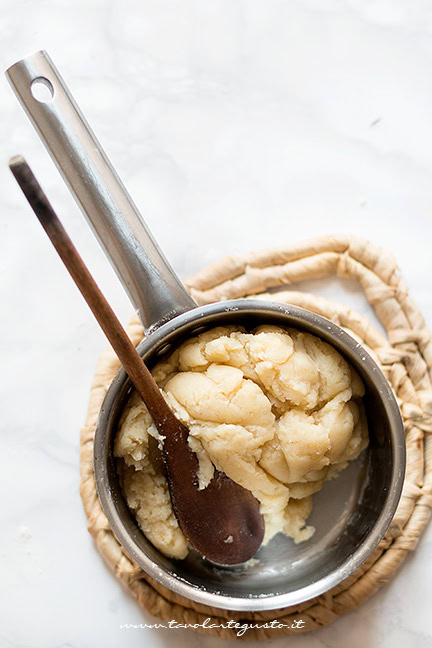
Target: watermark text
{"type": "Point", "coordinates": [240, 627]}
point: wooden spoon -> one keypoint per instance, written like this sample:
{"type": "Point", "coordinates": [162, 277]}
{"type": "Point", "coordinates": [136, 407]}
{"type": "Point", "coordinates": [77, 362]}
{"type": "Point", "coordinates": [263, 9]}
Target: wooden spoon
{"type": "Point", "coordinates": [223, 520]}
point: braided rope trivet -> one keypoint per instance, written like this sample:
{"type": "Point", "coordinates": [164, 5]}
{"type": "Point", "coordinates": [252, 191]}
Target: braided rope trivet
{"type": "Point", "coordinates": [406, 359]}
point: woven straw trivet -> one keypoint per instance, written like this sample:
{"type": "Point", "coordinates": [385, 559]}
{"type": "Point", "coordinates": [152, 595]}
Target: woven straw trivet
{"type": "Point", "coordinates": [406, 359]}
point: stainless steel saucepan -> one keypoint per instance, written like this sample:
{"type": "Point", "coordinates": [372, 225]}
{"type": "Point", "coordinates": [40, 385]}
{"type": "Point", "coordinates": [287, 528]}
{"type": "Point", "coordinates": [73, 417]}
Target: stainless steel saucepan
{"type": "Point", "coordinates": [350, 514]}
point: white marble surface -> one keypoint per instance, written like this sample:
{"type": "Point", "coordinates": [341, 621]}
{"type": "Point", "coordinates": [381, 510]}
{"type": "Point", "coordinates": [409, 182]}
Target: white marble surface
{"type": "Point", "coordinates": [236, 125]}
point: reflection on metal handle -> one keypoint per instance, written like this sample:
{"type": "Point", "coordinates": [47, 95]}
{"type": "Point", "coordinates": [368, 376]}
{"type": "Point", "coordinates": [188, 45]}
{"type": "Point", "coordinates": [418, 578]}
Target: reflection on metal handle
{"type": "Point", "coordinates": [153, 287]}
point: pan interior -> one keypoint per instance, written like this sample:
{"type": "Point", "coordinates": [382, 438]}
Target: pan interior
{"type": "Point", "coordinates": [345, 512]}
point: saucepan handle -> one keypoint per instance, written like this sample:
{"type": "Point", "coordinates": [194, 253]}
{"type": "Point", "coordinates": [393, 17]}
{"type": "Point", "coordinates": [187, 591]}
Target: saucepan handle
{"type": "Point", "coordinates": [153, 287]}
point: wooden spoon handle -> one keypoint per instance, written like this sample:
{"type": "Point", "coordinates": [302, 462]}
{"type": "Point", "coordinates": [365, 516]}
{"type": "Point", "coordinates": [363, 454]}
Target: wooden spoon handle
{"type": "Point", "coordinates": [208, 517]}
{"type": "Point", "coordinates": [117, 336]}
